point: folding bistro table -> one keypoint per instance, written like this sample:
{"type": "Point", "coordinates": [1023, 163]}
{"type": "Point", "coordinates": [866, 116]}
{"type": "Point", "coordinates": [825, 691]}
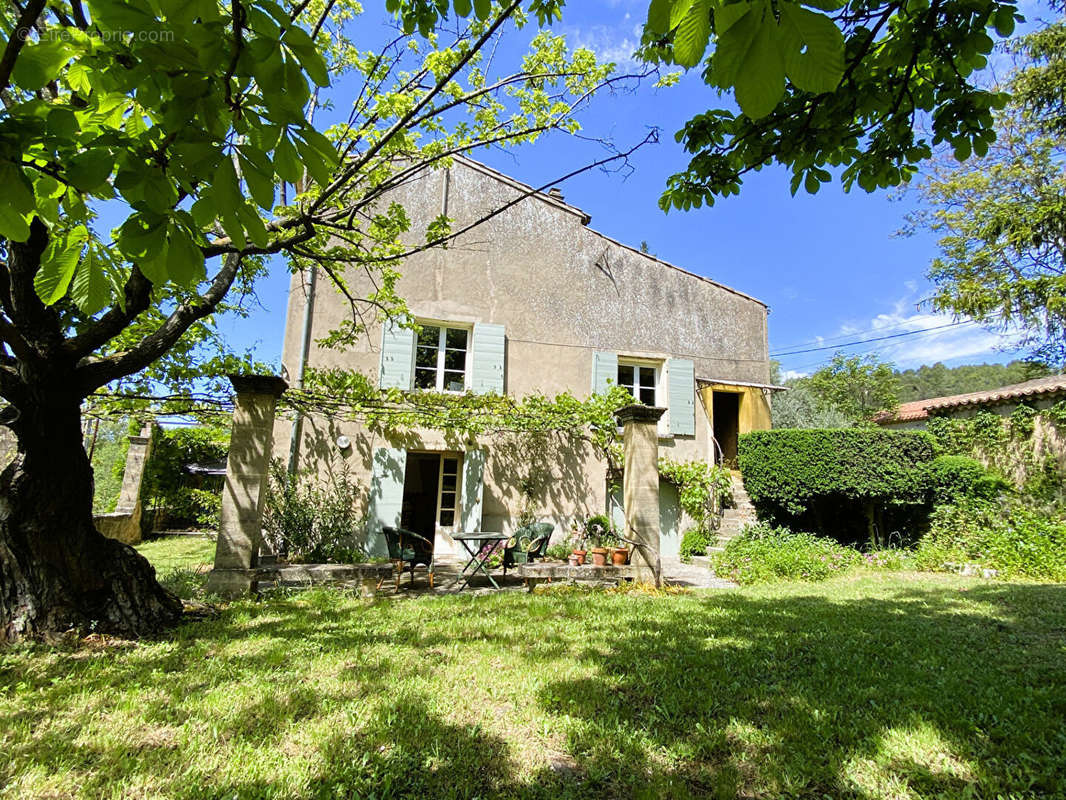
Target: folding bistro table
{"type": "Point", "coordinates": [477, 545]}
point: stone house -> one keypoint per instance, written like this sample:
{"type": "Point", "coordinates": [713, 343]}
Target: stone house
{"type": "Point", "coordinates": [533, 300]}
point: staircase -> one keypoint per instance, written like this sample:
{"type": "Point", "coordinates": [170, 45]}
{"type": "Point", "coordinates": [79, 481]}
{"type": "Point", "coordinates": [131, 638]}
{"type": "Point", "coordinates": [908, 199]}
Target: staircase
{"type": "Point", "coordinates": [734, 520]}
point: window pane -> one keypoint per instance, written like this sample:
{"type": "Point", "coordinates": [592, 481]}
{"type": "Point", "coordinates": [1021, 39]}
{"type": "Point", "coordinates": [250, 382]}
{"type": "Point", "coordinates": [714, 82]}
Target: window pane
{"type": "Point", "coordinates": [456, 338]}
{"type": "Point", "coordinates": [425, 379]}
{"type": "Point", "coordinates": [425, 357]}
{"type": "Point", "coordinates": [455, 359]}
{"type": "Point", "coordinates": [429, 337]}
{"type": "Point", "coordinates": [447, 517]}
{"type": "Point", "coordinates": [447, 499]}
{"type": "Point", "coordinates": [448, 482]}
{"type": "Point", "coordinates": [647, 396]}
{"type": "Point", "coordinates": [455, 381]}
{"type": "Point", "coordinates": [451, 466]}
{"type": "Point", "coordinates": [625, 375]}
{"type": "Point", "coordinates": [647, 376]}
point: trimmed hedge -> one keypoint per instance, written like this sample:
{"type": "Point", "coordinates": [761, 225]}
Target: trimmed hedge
{"type": "Point", "coordinates": [790, 468]}
{"type": "Point", "coordinates": [952, 478]}
{"type": "Point", "coordinates": [850, 483]}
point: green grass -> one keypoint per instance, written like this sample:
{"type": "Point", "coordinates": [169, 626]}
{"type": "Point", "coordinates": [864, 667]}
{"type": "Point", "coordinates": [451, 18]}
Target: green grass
{"type": "Point", "coordinates": [875, 685]}
{"type": "Point", "coordinates": [181, 562]}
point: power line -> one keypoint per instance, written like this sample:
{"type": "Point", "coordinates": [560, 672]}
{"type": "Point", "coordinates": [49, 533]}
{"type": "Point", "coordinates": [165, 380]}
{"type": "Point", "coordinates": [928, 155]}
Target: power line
{"type": "Point", "coordinates": [875, 339]}
{"type": "Point", "coordinates": [820, 340]}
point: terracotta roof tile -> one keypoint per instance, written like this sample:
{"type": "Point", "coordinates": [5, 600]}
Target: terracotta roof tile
{"type": "Point", "coordinates": [921, 409]}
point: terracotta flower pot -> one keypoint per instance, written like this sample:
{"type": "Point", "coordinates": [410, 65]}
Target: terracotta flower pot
{"type": "Point", "coordinates": [599, 556]}
{"type": "Point", "coordinates": [573, 561]}
{"type": "Point", "coordinates": [580, 556]}
{"type": "Point", "coordinates": [619, 556]}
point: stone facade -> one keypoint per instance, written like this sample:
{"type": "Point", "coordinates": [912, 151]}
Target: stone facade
{"type": "Point", "coordinates": [562, 295]}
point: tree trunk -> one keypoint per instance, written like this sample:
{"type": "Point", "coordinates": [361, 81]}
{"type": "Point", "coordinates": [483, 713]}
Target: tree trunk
{"type": "Point", "coordinates": [57, 572]}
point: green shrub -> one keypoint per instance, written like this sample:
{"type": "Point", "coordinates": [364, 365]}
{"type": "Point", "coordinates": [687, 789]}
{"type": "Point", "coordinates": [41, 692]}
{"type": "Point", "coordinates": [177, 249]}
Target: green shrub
{"type": "Point", "coordinates": [852, 484]}
{"type": "Point", "coordinates": [313, 521]}
{"type": "Point", "coordinates": [694, 542]}
{"type": "Point", "coordinates": [1014, 540]}
{"type": "Point", "coordinates": [177, 498]}
{"type": "Point", "coordinates": [764, 553]}
{"type": "Point", "coordinates": [952, 478]}
{"type": "Point", "coordinates": [599, 531]}
{"type": "Point", "coordinates": [560, 552]}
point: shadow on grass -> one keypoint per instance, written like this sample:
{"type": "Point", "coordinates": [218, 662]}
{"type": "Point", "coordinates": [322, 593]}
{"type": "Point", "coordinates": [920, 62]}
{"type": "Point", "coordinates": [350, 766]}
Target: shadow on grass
{"type": "Point", "coordinates": [907, 691]}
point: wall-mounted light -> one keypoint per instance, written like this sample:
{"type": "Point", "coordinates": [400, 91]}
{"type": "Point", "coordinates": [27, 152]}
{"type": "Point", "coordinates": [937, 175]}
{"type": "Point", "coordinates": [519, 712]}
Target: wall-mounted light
{"type": "Point", "coordinates": [343, 442]}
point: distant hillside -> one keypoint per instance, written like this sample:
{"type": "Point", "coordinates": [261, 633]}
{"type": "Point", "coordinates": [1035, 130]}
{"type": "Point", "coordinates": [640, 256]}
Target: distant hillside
{"type": "Point", "coordinates": [939, 381]}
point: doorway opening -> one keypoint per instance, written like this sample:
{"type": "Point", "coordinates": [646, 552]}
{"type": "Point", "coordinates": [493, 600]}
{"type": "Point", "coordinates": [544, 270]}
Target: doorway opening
{"type": "Point", "coordinates": [725, 413]}
{"type": "Point", "coordinates": [430, 493]}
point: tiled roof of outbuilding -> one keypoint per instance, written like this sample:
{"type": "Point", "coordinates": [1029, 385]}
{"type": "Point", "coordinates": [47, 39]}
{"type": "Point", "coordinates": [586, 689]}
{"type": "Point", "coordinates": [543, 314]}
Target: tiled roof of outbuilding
{"type": "Point", "coordinates": [922, 409]}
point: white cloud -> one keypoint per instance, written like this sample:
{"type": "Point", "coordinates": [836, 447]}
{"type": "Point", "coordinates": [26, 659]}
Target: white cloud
{"type": "Point", "coordinates": [617, 44]}
{"type": "Point", "coordinates": [917, 336]}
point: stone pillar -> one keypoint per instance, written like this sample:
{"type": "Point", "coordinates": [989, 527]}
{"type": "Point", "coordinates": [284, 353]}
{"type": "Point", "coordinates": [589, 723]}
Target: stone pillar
{"type": "Point", "coordinates": [640, 487]}
{"type": "Point", "coordinates": [129, 497]}
{"type": "Point", "coordinates": [247, 471]}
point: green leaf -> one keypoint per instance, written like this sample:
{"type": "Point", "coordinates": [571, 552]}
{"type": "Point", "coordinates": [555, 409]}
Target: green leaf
{"type": "Point", "coordinates": [813, 49]}
{"type": "Point", "coordinates": [90, 170]}
{"type": "Point", "coordinates": [315, 164]}
{"type": "Point", "coordinates": [462, 8]}
{"type": "Point", "coordinates": [735, 26]}
{"type": "Point", "coordinates": [13, 224]}
{"type": "Point", "coordinates": [482, 9]}
{"type": "Point", "coordinates": [226, 189]}
{"type": "Point", "coordinates": [185, 261]}
{"type": "Point", "coordinates": [58, 264]}
{"type": "Point", "coordinates": [310, 58]}
{"type": "Point", "coordinates": [760, 85]}
{"type": "Point", "coordinates": [17, 189]}
{"type": "Point", "coordinates": [258, 174]}
{"type": "Point", "coordinates": [693, 33]}
{"type": "Point", "coordinates": [117, 16]}
{"type": "Point", "coordinates": [287, 161]}
{"type": "Point", "coordinates": [253, 225]}
{"type": "Point", "coordinates": [38, 64]}
{"type": "Point", "coordinates": [678, 11]}
{"type": "Point", "coordinates": [90, 290]}
{"type": "Point", "coordinates": [659, 16]}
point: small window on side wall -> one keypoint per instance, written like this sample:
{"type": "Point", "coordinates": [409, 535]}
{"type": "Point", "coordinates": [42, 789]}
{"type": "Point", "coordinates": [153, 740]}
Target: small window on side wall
{"type": "Point", "coordinates": [441, 358]}
{"type": "Point", "coordinates": [641, 381]}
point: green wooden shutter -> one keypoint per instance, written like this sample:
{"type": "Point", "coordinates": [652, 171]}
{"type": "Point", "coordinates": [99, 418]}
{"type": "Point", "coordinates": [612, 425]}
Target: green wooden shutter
{"type": "Point", "coordinates": [473, 489]}
{"type": "Point", "coordinates": [397, 356]}
{"type": "Point", "coordinates": [486, 374]}
{"type": "Point", "coordinates": [681, 376]}
{"type": "Point", "coordinates": [604, 369]}
{"type": "Point", "coordinates": [386, 496]}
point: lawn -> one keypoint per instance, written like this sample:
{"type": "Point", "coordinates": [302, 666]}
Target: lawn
{"type": "Point", "coordinates": [879, 685]}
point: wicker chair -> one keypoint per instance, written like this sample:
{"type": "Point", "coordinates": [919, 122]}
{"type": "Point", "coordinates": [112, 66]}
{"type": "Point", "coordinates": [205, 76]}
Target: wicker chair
{"type": "Point", "coordinates": [408, 550]}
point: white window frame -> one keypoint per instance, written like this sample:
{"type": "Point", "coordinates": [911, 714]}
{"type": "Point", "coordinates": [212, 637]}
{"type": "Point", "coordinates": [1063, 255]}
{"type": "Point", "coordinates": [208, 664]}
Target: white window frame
{"type": "Point", "coordinates": [441, 352]}
{"type": "Point", "coordinates": [441, 508]}
{"type": "Point", "coordinates": [661, 385]}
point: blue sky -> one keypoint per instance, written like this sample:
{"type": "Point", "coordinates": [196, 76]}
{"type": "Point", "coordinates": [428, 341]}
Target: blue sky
{"type": "Point", "coordinates": [829, 266]}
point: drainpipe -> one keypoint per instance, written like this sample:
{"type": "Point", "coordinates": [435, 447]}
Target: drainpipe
{"type": "Point", "coordinates": [305, 348]}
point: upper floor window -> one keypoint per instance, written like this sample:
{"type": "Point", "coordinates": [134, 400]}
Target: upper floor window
{"type": "Point", "coordinates": [641, 380]}
{"type": "Point", "coordinates": [441, 358]}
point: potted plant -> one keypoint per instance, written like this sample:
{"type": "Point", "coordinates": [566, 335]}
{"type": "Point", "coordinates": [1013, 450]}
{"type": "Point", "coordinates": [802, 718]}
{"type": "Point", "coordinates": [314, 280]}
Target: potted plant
{"type": "Point", "coordinates": [577, 536]}
{"type": "Point", "coordinates": [617, 546]}
{"type": "Point", "coordinates": [597, 529]}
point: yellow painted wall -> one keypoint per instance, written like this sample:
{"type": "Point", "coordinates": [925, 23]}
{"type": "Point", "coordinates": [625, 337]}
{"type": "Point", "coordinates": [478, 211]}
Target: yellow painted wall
{"type": "Point", "coordinates": [754, 411]}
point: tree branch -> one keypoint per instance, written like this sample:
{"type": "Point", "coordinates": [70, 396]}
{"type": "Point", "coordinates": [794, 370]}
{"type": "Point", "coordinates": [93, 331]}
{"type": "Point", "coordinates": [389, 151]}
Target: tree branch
{"type": "Point", "coordinates": [94, 373]}
{"type": "Point", "coordinates": [26, 23]}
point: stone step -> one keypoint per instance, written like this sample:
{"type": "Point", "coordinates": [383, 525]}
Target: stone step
{"type": "Point", "coordinates": [701, 561]}
{"type": "Point", "coordinates": [715, 549]}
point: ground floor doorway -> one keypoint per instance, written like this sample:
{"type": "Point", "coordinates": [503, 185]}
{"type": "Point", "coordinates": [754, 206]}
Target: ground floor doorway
{"type": "Point", "coordinates": [725, 415]}
{"type": "Point", "coordinates": [430, 497]}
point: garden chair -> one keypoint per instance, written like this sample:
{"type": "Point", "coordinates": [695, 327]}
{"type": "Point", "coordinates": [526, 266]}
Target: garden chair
{"type": "Point", "coordinates": [542, 534]}
{"type": "Point", "coordinates": [408, 550]}
{"type": "Point", "coordinates": [516, 550]}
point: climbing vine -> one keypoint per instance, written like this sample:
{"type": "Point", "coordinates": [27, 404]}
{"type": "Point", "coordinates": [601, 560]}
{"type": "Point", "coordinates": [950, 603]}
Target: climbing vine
{"type": "Point", "coordinates": [1007, 443]}
{"type": "Point", "coordinates": [702, 488]}
{"type": "Point", "coordinates": [342, 394]}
